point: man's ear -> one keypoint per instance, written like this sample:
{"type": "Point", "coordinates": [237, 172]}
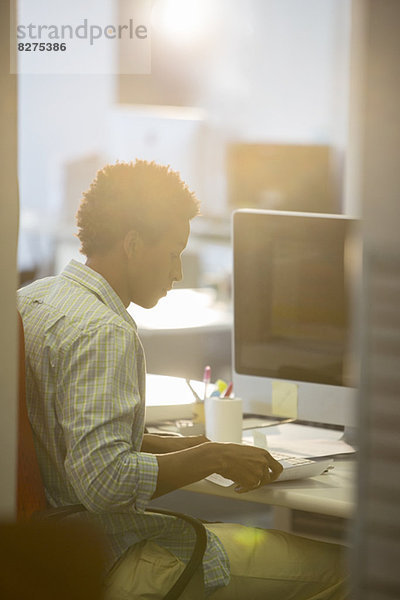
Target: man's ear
{"type": "Point", "coordinates": [131, 243]}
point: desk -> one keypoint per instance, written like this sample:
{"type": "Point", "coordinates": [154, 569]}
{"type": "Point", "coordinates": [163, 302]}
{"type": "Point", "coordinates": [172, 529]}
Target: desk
{"type": "Point", "coordinates": [320, 508]}
{"type": "Point", "coordinates": [330, 494]}
{"type": "Point", "coordinates": [327, 499]}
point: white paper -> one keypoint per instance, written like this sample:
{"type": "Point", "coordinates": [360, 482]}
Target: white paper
{"type": "Point", "coordinates": [302, 440]}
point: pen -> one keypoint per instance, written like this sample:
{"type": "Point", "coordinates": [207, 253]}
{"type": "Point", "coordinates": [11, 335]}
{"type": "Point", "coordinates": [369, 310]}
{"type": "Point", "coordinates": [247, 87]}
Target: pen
{"type": "Point", "coordinates": [206, 379]}
{"type": "Point", "coordinates": [228, 391]}
{"type": "Point", "coordinates": [221, 385]}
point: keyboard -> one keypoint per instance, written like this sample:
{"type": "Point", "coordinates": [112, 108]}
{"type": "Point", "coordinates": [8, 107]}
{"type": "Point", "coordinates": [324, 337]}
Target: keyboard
{"type": "Point", "coordinates": [294, 467]}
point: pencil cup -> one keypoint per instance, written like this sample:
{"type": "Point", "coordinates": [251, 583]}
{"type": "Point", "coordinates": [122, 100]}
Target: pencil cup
{"type": "Point", "coordinates": [223, 418]}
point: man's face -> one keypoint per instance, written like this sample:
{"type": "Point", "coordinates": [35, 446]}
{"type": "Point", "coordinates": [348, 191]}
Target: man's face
{"type": "Point", "coordinates": [157, 265]}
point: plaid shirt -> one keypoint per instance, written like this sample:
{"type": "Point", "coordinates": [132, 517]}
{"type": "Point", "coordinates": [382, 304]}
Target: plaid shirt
{"type": "Point", "coordinates": [86, 403]}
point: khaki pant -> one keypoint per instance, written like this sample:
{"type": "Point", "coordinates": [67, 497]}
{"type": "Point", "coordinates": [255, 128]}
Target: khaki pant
{"type": "Point", "coordinates": [265, 564]}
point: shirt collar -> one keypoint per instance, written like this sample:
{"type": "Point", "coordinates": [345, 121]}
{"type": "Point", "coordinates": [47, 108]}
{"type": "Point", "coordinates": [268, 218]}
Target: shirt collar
{"type": "Point", "coordinates": [98, 285]}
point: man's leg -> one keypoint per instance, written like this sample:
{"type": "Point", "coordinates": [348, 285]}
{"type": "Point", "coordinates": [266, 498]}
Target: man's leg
{"type": "Point", "coordinates": [149, 571]}
{"type": "Point", "coordinates": [264, 564]}
{"type": "Point", "coordinates": [275, 565]}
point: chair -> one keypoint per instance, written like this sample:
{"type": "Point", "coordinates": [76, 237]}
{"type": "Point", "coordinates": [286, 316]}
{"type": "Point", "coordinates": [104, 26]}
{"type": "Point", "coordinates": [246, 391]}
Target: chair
{"type": "Point", "coordinates": [31, 500]}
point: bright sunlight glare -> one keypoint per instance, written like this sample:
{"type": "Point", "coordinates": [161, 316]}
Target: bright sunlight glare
{"type": "Point", "coordinates": [181, 308]}
{"type": "Point", "coordinates": [182, 20]}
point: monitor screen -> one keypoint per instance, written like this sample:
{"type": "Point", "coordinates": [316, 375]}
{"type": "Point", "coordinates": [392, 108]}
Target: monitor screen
{"type": "Point", "coordinates": [292, 297]}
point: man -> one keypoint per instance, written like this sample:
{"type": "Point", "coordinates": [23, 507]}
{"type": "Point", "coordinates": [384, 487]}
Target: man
{"type": "Point", "coordinates": [86, 395]}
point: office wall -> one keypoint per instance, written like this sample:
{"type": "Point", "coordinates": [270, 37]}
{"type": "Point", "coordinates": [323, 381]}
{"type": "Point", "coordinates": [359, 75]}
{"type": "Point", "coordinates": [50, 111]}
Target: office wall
{"type": "Point", "coordinates": [376, 113]}
{"type": "Point", "coordinates": [8, 273]}
{"type": "Point", "coordinates": [62, 119]}
{"type": "Point", "coordinates": [283, 77]}
{"type": "Point", "coordinates": [279, 73]}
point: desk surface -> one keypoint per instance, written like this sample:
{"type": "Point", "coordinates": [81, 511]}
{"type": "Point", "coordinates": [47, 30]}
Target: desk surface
{"type": "Point", "coordinates": [330, 494]}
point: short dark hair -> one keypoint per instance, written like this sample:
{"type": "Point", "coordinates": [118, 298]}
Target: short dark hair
{"type": "Point", "coordinates": [138, 195]}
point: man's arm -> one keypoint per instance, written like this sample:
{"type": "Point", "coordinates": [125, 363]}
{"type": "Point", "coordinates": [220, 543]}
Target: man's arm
{"type": "Point", "coordinates": [248, 466]}
{"type": "Point", "coordinates": [96, 412]}
{"type": "Point", "coordinates": [178, 467]}
{"type": "Point", "coordinates": [100, 412]}
{"type": "Point", "coordinates": [160, 444]}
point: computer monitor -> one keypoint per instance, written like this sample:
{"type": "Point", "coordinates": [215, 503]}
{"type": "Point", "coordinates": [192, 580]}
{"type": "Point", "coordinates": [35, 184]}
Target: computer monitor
{"type": "Point", "coordinates": [257, 177]}
{"type": "Point", "coordinates": [293, 281]}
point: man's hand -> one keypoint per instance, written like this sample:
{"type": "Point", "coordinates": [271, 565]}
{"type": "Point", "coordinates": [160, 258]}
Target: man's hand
{"type": "Point", "coordinates": [247, 466]}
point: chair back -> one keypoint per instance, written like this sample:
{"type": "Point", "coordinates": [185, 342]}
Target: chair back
{"type": "Point", "coordinates": [30, 490]}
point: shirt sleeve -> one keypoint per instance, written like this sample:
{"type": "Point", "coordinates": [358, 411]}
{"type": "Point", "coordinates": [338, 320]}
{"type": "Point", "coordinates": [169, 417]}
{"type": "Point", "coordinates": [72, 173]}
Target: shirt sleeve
{"type": "Point", "coordinates": [101, 412]}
